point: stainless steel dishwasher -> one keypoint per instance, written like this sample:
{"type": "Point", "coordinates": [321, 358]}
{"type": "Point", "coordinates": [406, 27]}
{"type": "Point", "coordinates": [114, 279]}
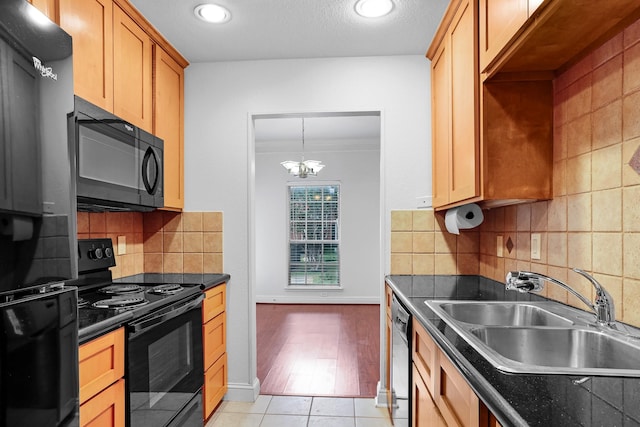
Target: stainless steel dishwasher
{"type": "Point", "coordinates": [400, 361]}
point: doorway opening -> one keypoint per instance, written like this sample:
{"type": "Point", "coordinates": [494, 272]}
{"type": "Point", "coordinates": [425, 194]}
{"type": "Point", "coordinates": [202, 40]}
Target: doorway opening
{"type": "Point", "coordinates": [307, 336]}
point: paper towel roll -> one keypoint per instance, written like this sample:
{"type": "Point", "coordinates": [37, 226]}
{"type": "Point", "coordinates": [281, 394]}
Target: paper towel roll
{"type": "Point", "coordinates": [463, 217]}
{"type": "Point", "coordinates": [18, 227]}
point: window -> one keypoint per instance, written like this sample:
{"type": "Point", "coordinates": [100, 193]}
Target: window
{"type": "Point", "coordinates": [314, 235]}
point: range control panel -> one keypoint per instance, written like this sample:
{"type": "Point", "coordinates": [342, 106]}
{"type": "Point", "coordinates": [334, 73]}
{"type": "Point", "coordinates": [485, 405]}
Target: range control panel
{"type": "Point", "coordinates": [95, 254]}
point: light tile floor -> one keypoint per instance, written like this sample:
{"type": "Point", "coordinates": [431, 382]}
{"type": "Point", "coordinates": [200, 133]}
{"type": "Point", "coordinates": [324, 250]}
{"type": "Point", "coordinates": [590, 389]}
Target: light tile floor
{"type": "Point", "coordinates": [297, 411]}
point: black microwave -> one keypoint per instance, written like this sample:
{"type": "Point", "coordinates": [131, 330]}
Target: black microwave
{"type": "Point", "coordinates": [119, 167]}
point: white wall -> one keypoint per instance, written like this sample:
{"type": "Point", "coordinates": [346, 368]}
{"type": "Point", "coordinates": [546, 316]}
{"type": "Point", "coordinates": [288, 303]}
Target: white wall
{"type": "Point", "coordinates": [358, 173]}
{"type": "Point", "coordinates": [219, 101]}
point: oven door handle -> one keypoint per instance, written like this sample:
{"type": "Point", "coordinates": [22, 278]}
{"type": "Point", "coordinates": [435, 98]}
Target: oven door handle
{"type": "Point", "coordinates": [150, 322]}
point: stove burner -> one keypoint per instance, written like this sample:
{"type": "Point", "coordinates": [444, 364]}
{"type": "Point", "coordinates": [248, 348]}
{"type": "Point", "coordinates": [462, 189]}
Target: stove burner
{"type": "Point", "coordinates": [120, 289]}
{"type": "Point", "coordinates": [166, 289]}
{"type": "Point", "coordinates": [82, 303]}
{"type": "Point", "coordinates": [128, 302]}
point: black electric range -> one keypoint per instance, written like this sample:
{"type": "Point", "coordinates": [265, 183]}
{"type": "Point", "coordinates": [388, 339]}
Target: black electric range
{"type": "Point", "coordinates": [164, 368]}
{"type": "Point", "coordinates": [105, 303]}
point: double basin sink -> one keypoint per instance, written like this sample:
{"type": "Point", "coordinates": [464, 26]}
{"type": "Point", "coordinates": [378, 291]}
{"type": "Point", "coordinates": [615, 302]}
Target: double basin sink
{"type": "Point", "coordinates": [541, 338]}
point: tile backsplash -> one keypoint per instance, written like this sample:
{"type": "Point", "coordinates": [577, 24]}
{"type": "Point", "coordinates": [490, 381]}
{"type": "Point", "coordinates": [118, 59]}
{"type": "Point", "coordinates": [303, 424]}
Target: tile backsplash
{"type": "Point", "coordinates": [159, 241]}
{"type": "Point", "coordinates": [593, 221]}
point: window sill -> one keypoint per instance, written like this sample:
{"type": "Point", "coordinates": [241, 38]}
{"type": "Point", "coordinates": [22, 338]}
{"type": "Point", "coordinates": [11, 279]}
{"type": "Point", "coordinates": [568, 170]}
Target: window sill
{"type": "Point", "coordinates": [314, 288]}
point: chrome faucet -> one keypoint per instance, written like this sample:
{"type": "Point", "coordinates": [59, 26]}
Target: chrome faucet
{"type": "Point", "coordinates": [603, 307]}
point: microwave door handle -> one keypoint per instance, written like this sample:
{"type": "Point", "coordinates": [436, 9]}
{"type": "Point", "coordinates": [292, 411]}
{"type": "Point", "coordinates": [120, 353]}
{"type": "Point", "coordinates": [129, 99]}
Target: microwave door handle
{"type": "Point", "coordinates": [155, 320]}
{"type": "Point", "coordinates": [148, 156]}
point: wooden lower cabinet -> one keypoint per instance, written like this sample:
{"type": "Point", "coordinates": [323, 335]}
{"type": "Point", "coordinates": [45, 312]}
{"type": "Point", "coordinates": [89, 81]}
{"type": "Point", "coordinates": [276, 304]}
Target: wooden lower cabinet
{"type": "Point", "coordinates": [441, 395]}
{"type": "Point", "coordinates": [106, 409]}
{"type": "Point", "coordinates": [102, 387]}
{"type": "Point", "coordinates": [215, 384]}
{"type": "Point", "coordinates": [214, 337]}
{"type": "Point", "coordinates": [424, 411]}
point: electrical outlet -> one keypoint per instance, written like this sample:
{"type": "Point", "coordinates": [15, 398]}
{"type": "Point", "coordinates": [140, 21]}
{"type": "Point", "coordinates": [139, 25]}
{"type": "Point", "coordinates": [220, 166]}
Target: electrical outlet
{"type": "Point", "coordinates": [423, 202]}
{"type": "Point", "coordinates": [499, 246]}
{"type": "Point", "coordinates": [535, 246]}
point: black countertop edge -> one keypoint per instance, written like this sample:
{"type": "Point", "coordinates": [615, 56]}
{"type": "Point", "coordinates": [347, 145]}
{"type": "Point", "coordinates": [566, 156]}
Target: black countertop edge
{"type": "Point", "coordinates": [100, 328]}
{"type": "Point", "coordinates": [207, 280]}
{"type": "Point", "coordinates": [499, 407]}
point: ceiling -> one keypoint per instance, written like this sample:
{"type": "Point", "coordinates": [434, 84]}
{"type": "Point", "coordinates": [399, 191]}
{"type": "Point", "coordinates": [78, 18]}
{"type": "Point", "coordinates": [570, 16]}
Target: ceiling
{"type": "Point", "coordinates": [288, 29]}
{"type": "Point", "coordinates": [298, 29]}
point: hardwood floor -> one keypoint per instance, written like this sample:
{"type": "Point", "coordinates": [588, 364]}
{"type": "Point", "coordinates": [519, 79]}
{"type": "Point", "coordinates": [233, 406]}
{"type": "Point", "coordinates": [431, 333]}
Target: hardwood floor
{"type": "Point", "coordinates": [318, 349]}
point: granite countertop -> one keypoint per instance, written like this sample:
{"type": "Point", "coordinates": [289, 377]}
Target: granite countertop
{"type": "Point", "coordinates": [517, 399]}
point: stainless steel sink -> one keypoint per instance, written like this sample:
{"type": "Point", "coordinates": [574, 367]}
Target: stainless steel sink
{"type": "Point", "coordinates": [503, 314]}
{"type": "Point", "coordinates": [541, 337]}
{"type": "Point", "coordinates": [571, 350]}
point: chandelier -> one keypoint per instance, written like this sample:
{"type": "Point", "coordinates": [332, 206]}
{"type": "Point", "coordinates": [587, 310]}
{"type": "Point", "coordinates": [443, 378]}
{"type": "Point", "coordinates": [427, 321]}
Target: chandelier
{"type": "Point", "coordinates": [303, 168]}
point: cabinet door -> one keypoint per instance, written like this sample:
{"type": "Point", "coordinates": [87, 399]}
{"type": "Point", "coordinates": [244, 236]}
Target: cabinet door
{"type": "Point", "coordinates": [215, 385]}
{"type": "Point", "coordinates": [48, 7]}
{"type": "Point", "coordinates": [214, 336]}
{"type": "Point", "coordinates": [101, 363]}
{"type": "Point", "coordinates": [168, 123]}
{"type": "Point", "coordinates": [423, 410]}
{"type": "Point", "coordinates": [500, 20]}
{"type": "Point", "coordinates": [424, 355]}
{"type": "Point", "coordinates": [441, 124]}
{"type": "Point", "coordinates": [21, 149]}
{"type": "Point", "coordinates": [214, 302]}
{"type": "Point", "coordinates": [464, 173]}
{"type": "Point", "coordinates": [456, 400]}
{"type": "Point", "coordinates": [132, 63]}
{"type": "Point", "coordinates": [90, 23]}
{"type": "Point", "coordinates": [105, 409]}
{"type": "Point", "coordinates": [387, 362]}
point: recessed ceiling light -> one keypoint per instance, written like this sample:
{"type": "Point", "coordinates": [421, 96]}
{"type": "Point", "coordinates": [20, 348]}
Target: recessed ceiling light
{"type": "Point", "coordinates": [373, 8]}
{"type": "Point", "coordinates": [212, 13]}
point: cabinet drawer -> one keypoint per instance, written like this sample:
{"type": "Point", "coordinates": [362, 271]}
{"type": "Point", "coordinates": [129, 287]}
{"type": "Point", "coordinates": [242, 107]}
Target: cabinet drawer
{"type": "Point", "coordinates": [215, 339]}
{"type": "Point", "coordinates": [214, 302]}
{"type": "Point", "coordinates": [215, 385]}
{"type": "Point", "coordinates": [105, 409]}
{"type": "Point", "coordinates": [425, 355]}
{"type": "Point", "coordinates": [101, 363]}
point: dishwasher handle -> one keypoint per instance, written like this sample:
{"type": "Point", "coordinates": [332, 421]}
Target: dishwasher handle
{"type": "Point", "coordinates": [157, 318]}
{"type": "Point", "coordinates": [401, 318]}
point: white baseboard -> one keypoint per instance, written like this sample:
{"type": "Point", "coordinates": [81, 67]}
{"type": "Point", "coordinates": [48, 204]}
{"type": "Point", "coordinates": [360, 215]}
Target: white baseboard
{"type": "Point", "coordinates": [242, 392]}
{"type": "Point", "coordinates": [307, 299]}
{"type": "Point", "coordinates": [381, 396]}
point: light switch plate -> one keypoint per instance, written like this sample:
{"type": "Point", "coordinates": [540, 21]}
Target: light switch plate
{"type": "Point", "coordinates": [122, 245]}
{"type": "Point", "coordinates": [535, 246]}
{"type": "Point", "coordinates": [499, 246]}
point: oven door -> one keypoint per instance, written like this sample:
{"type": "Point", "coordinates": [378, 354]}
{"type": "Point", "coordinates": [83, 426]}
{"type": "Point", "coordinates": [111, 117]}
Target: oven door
{"type": "Point", "coordinates": [165, 367]}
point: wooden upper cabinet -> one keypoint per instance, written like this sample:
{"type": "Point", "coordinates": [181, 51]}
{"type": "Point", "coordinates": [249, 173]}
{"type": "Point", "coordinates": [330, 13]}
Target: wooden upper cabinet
{"type": "Point", "coordinates": [464, 103]}
{"type": "Point", "coordinates": [553, 35]}
{"type": "Point", "coordinates": [454, 71]}
{"type": "Point", "coordinates": [500, 20]}
{"type": "Point", "coordinates": [168, 122]}
{"type": "Point", "coordinates": [441, 123]}
{"type": "Point", "coordinates": [90, 23]}
{"type": "Point", "coordinates": [48, 7]}
{"type": "Point", "coordinates": [131, 71]}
